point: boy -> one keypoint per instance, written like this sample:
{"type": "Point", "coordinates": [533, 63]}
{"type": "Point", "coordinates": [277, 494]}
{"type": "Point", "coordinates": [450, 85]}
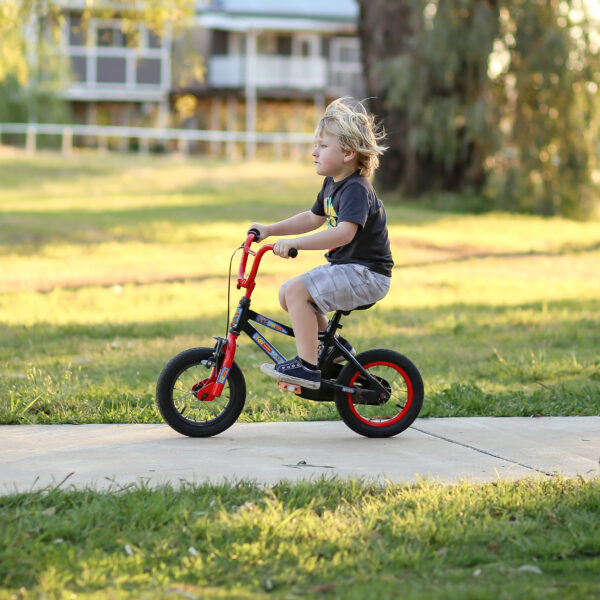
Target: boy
{"type": "Point", "coordinates": [347, 149]}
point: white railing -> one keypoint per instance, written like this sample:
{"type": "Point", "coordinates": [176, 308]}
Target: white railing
{"type": "Point", "coordinates": [270, 72]}
{"type": "Point", "coordinates": [144, 135]}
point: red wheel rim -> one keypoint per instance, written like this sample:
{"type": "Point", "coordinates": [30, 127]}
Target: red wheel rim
{"type": "Point", "coordinates": [401, 414]}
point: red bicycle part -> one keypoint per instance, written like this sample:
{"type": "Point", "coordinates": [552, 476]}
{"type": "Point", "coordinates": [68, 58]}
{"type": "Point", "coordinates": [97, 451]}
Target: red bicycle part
{"type": "Point", "coordinates": [248, 282]}
{"type": "Point", "coordinates": [392, 419]}
{"type": "Point", "coordinates": [203, 389]}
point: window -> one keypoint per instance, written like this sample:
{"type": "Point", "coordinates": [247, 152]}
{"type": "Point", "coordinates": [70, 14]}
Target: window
{"type": "Point", "coordinates": [348, 54]}
{"type": "Point", "coordinates": [79, 68]}
{"type": "Point", "coordinates": [154, 40]}
{"type": "Point", "coordinates": [220, 41]}
{"type": "Point", "coordinates": [111, 69]}
{"type": "Point", "coordinates": [284, 45]}
{"type": "Point", "coordinates": [305, 47]}
{"type": "Point", "coordinates": [77, 34]}
{"type": "Point", "coordinates": [111, 37]}
{"type": "Point", "coordinates": [148, 71]}
{"type": "Point", "coordinates": [345, 50]}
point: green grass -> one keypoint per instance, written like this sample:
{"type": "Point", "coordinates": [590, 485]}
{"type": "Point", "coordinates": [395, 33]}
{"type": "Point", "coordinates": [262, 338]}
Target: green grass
{"type": "Point", "coordinates": [325, 539]}
{"type": "Point", "coordinates": [111, 265]}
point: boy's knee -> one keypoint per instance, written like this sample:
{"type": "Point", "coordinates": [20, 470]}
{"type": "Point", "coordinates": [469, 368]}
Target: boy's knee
{"type": "Point", "coordinates": [292, 290]}
{"type": "Point", "coordinates": [296, 288]}
{"type": "Point", "coordinates": [282, 301]}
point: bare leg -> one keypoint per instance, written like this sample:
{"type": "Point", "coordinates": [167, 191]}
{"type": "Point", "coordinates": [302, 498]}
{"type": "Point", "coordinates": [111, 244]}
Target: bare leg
{"type": "Point", "coordinates": [305, 321]}
{"type": "Point", "coordinates": [322, 321]}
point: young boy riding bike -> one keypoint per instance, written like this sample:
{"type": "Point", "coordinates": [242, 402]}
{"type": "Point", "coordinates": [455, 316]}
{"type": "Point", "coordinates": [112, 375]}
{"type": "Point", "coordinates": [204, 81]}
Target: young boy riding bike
{"type": "Point", "coordinates": [359, 269]}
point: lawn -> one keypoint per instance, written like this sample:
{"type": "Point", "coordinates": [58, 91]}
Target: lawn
{"type": "Point", "coordinates": [327, 539]}
{"type": "Point", "coordinates": [110, 265]}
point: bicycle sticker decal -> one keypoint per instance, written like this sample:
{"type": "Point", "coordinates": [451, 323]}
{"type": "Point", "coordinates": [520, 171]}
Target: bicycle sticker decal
{"type": "Point", "coordinates": [266, 321]}
{"type": "Point", "coordinates": [236, 317]}
{"type": "Point", "coordinates": [223, 375]}
{"type": "Point", "coordinates": [260, 340]}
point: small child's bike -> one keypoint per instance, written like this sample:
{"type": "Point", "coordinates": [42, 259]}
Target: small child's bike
{"type": "Point", "coordinates": [201, 391]}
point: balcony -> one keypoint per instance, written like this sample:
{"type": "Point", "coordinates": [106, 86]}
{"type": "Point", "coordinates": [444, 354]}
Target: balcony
{"type": "Point", "coordinates": [300, 73]}
{"type": "Point", "coordinates": [117, 74]}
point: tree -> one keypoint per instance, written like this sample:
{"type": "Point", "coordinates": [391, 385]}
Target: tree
{"type": "Point", "coordinates": [547, 108]}
{"type": "Point", "coordinates": [426, 68]}
{"type": "Point", "coordinates": [496, 96]}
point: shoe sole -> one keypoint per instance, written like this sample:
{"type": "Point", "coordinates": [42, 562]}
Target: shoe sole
{"type": "Point", "coordinates": [305, 383]}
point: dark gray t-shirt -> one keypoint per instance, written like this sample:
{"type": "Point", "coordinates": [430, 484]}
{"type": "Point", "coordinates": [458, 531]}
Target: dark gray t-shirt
{"type": "Point", "coordinates": [353, 199]}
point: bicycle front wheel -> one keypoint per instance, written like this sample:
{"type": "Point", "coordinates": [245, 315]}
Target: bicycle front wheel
{"type": "Point", "coordinates": [179, 404]}
{"type": "Point", "coordinates": [381, 418]}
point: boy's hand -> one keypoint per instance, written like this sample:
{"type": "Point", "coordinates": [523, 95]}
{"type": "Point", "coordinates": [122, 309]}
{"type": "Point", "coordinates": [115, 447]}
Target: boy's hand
{"type": "Point", "coordinates": [282, 247]}
{"type": "Point", "coordinates": [262, 229]}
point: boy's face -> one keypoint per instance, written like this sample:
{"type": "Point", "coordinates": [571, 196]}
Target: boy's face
{"type": "Point", "coordinates": [330, 159]}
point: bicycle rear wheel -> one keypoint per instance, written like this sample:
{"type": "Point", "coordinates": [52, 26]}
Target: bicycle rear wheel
{"type": "Point", "coordinates": [181, 408]}
{"type": "Point", "coordinates": [387, 417]}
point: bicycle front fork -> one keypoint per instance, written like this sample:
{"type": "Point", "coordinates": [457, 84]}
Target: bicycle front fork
{"type": "Point", "coordinates": [224, 354]}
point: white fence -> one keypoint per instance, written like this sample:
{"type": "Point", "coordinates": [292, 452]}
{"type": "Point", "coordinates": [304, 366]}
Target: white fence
{"type": "Point", "coordinates": [218, 140]}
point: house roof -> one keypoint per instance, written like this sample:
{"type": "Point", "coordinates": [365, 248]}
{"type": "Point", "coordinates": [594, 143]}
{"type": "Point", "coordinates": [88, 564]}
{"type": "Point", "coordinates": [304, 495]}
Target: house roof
{"type": "Point", "coordinates": [311, 9]}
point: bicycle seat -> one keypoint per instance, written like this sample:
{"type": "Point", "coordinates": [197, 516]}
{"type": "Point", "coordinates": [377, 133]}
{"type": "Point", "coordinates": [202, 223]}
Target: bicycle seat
{"type": "Point", "coordinates": [363, 307]}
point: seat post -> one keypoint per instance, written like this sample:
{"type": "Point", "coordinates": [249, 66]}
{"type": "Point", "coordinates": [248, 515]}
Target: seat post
{"type": "Point", "coordinates": [334, 323]}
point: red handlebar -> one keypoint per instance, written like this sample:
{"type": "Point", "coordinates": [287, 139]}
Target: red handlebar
{"type": "Point", "coordinates": [242, 280]}
{"type": "Point", "coordinates": [248, 282]}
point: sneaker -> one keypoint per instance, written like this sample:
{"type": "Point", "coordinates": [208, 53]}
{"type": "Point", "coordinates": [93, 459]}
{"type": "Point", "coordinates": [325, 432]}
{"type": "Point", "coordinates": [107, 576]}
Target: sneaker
{"type": "Point", "coordinates": [293, 371]}
{"type": "Point", "coordinates": [334, 351]}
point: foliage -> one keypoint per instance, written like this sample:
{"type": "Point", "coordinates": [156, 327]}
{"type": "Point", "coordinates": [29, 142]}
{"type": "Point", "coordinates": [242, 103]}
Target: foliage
{"type": "Point", "coordinates": [547, 108]}
{"type": "Point", "coordinates": [496, 96]}
{"type": "Point", "coordinates": [29, 62]}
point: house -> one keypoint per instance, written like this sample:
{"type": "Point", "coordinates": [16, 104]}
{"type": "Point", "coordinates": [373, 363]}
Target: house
{"type": "Point", "coordinates": [253, 65]}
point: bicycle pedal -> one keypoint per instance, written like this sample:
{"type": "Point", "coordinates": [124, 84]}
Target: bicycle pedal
{"type": "Point", "coordinates": [289, 387]}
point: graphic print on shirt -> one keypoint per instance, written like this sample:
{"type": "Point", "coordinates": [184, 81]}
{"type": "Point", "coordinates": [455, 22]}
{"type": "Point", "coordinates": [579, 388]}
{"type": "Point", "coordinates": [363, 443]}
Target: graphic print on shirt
{"type": "Point", "coordinates": [332, 217]}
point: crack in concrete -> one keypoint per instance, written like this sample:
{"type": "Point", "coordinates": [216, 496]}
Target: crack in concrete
{"type": "Point", "coordinates": [482, 451]}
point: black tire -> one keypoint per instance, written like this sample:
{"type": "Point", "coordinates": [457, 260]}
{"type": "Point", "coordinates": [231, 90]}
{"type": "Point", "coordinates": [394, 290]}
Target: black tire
{"type": "Point", "coordinates": [399, 375]}
{"type": "Point", "coordinates": [182, 410]}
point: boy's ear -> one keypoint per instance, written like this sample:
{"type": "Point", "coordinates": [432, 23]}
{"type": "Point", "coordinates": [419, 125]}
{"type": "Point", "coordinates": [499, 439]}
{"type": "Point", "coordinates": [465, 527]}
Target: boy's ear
{"type": "Point", "coordinates": [349, 155]}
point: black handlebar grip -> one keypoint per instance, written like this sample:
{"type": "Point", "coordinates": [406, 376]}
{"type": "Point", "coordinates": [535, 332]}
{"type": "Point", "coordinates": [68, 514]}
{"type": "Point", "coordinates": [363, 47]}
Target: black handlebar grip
{"type": "Point", "coordinates": [256, 233]}
{"type": "Point", "coordinates": [293, 252]}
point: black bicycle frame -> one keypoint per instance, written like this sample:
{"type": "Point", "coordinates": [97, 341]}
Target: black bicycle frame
{"type": "Point", "coordinates": [241, 322]}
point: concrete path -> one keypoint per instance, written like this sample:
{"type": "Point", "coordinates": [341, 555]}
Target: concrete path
{"type": "Point", "coordinates": [452, 449]}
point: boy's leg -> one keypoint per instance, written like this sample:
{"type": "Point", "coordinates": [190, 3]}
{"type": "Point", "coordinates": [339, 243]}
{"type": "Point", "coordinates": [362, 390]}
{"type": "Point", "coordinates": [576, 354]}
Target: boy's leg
{"type": "Point", "coordinates": [322, 320]}
{"type": "Point", "coordinates": [305, 321]}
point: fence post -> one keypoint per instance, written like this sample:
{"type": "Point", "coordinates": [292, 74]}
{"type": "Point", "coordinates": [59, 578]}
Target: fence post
{"type": "Point", "coordinates": [182, 145]}
{"type": "Point", "coordinates": [31, 139]}
{"type": "Point", "coordinates": [102, 144]}
{"type": "Point", "coordinates": [67, 141]}
{"type": "Point", "coordinates": [144, 145]}
{"type": "Point", "coordinates": [277, 149]}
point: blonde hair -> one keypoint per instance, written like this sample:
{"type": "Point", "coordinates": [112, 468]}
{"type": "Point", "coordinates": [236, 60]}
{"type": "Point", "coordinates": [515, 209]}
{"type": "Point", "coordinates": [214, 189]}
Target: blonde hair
{"type": "Point", "coordinates": [355, 128]}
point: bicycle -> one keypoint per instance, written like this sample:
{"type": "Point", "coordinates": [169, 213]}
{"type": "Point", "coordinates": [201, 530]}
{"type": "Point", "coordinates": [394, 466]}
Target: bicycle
{"type": "Point", "coordinates": [202, 391]}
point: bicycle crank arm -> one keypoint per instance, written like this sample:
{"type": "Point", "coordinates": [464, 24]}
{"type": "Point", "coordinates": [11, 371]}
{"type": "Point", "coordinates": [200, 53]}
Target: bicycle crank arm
{"type": "Point", "coordinates": [360, 395]}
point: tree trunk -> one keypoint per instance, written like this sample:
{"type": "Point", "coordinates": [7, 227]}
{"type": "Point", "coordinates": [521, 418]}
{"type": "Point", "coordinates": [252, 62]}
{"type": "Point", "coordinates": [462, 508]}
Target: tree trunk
{"type": "Point", "coordinates": [398, 30]}
{"type": "Point", "coordinates": [383, 28]}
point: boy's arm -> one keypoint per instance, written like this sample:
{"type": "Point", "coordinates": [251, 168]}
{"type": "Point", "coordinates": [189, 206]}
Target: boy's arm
{"type": "Point", "coordinates": [300, 223]}
{"type": "Point", "coordinates": [323, 240]}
